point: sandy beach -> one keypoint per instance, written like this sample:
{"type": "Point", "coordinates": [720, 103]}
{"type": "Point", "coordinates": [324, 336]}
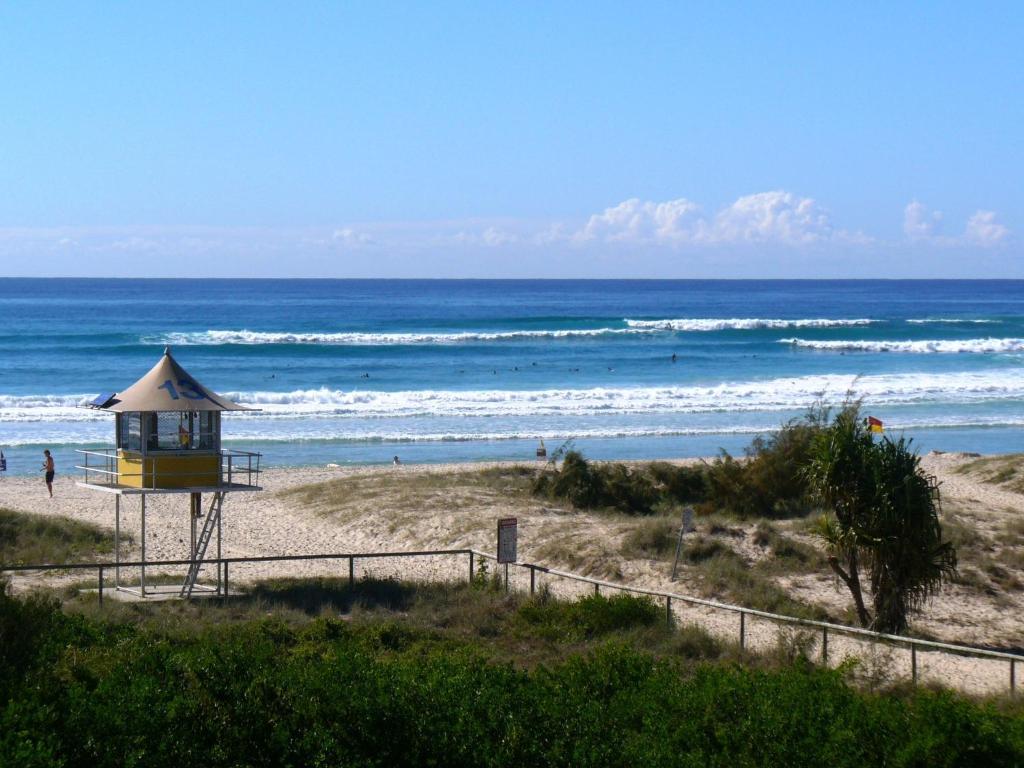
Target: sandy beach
{"type": "Point", "coordinates": [415, 507]}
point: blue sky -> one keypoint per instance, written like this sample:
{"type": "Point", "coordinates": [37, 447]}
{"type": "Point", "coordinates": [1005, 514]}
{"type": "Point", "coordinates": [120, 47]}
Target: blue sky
{"type": "Point", "coordinates": [519, 140]}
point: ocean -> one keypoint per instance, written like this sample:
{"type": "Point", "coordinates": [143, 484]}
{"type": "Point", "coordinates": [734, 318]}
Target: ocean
{"type": "Point", "coordinates": [358, 371]}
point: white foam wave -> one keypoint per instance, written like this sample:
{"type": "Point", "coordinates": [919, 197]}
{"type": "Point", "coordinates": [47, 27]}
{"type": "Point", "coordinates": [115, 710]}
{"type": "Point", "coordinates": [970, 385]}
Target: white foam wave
{"type": "Point", "coordinates": [215, 337]}
{"type": "Point", "coordinates": [354, 338]}
{"type": "Point", "coordinates": [742, 323]}
{"type": "Point", "coordinates": [742, 396]}
{"type": "Point", "coordinates": [66, 408]}
{"type": "Point", "coordinates": [761, 395]}
{"type": "Point", "coordinates": [341, 431]}
{"type": "Point", "coordinates": [989, 346]}
{"type": "Point", "coordinates": [970, 321]}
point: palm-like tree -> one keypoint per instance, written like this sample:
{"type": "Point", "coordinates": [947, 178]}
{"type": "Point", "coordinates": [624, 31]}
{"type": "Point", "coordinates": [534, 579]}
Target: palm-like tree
{"type": "Point", "coordinates": [839, 470]}
{"type": "Point", "coordinates": [886, 520]}
{"type": "Point", "coordinates": [907, 557]}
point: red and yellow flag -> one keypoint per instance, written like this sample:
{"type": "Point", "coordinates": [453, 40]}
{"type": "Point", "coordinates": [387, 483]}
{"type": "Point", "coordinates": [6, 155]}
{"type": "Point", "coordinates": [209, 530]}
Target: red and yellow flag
{"type": "Point", "coordinates": [875, 425]}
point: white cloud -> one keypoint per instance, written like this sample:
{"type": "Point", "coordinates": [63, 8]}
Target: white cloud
{"type": "Point", "coordinates": [772, 217]}
{"type": "Point", "coordinates": [983, 229]}
{"type": "Point", "coordinates": [919, 223]}
{"type": "Point", "coordinates": [493, 236]}
{"type": "Point", "coordinates": [350, 237]}
{"type": "Point", "coordinates": [637, 221]}
{"type": "Point", "coordinates": [922, 225]}
{"type": "Point", "coordinates": [765, 217]}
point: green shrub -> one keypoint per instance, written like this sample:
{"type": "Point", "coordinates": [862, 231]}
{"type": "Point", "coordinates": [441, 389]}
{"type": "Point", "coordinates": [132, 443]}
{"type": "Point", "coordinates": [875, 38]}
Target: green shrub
{"type": "Point", "coordinates": [587, 618]}
{"type": "Point", "coordinates": [770, 482]}
{"type": "Point", "coordinates": [260, 693]}
{"type": "Point", "coordinates": [598, 486]}
{"type": "Point", "coordinates": [679, 484]}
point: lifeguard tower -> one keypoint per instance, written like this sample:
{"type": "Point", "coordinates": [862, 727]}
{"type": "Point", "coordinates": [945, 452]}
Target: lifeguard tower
{"type": "Point", "coordinates": [168, 441]}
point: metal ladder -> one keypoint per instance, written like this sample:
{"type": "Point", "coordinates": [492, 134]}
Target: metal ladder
{"type": "Point", "coordinates": [212, 518]}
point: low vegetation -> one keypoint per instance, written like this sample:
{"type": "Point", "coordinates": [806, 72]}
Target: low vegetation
{"type": "Point", "coordinates": [882, 515]}
{"type": "Point", "coordinates": [36, 539]}
{"type": "Point", "coordinates": [416, 487]}
{"type": "Point", "coordinates": [1004, 471]}
{"type": "Point", "coordinates": [768, 482]}
{"type": "Point", "coordinates": [309, 687]}
{"type": "Point", "coordinates": [637, 490]}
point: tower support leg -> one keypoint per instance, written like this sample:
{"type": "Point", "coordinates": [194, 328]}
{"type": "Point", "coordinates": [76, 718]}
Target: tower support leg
{"type": "Point", "coordinates": [117, 541]}
{"type": "Point", "coordinates": [142, 578]}
{"type": "Point", "coordinates": [220, 565]}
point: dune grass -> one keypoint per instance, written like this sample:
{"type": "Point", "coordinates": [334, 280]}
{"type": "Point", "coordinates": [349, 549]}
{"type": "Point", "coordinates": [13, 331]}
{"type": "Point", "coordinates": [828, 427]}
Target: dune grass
{"type": "Point", "coordinates": [1004, 471]}
{"type": "Point", "coordinates": [37, 539]}
{"type": "Point", "coordinates": [405, 488]}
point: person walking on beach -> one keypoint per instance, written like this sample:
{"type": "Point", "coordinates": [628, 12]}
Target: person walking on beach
{"type": "Point", "coordinates": [49, 469]}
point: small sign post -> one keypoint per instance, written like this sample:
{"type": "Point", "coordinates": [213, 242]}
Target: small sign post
{"type": "Point", "coordinates": [507, 535]}
{"type": "Point", "coordinates": [686, 527]}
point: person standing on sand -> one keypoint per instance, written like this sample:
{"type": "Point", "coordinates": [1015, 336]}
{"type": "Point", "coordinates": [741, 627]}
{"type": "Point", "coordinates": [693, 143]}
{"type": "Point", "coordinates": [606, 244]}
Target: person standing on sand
{"type": "Point", "coordinates": [49, 469]}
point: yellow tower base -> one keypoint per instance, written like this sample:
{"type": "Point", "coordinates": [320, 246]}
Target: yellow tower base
{"type": "Point", "coordinates": [173, 470]}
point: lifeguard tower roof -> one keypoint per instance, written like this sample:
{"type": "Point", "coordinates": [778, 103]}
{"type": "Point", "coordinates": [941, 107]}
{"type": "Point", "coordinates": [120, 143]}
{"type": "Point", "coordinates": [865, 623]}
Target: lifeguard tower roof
{"type": "Point", "coordinates": [167, 387]}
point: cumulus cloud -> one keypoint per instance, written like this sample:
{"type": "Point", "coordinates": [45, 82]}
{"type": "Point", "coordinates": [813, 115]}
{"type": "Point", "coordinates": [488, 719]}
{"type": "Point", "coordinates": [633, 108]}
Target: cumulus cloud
{"type": "Point", "coordinates": [983, 229]}
{"type": "Point", "coordinates": [766, 217]}
{"type": "Point", "coordinates": [923, 225]}
{"type": "Point", "coordinates": [638, 221]}
{"type": "Point", "coordinates": [778, 216]}
{"type": "Point", "coordinates": [920, 223]}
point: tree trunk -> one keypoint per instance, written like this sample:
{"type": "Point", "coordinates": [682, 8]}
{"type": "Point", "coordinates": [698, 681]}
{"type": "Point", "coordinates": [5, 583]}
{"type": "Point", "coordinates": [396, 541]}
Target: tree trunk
{"type": "Point", "coordinates": [852, 581]}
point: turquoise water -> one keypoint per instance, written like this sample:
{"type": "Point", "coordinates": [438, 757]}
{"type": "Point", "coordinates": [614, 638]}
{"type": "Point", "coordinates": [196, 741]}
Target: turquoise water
{"type": "Point", "coordinates": [359, 371]}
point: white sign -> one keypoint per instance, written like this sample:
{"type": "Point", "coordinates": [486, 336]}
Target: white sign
{"type": "Point", "coordinates": [507, 539]}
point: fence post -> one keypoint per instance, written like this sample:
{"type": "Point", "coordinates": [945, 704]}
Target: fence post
{"type": "Point", "coordinates": [225, 578]}
{"type": "Point", "coordinates": [913, 663]}
{"type": "Point", "coordinates": [471, 568]}
{"type": "Point", "coordinates": [351, 572]}
{"type": "Point", "coordinates": [668, 611]}
{"type": "Point", "coordinates": [1013, 677]}
{"type": "Point", "coordinates": [101, 585]}
{"type": "Point", "coordinates": [743, 630]}
{"type": "Point", "coordinates": [506, 577]}
{"type": "Point", "coordinates": [824, 645]}
{"type": "Point", "coordinates": [533, 579]}
{"type": "Point", "coordinates": [597, 589]}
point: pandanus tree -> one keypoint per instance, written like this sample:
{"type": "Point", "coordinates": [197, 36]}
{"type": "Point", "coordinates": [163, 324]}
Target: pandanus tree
{"type": "Point", "coordinates": [885, 520]}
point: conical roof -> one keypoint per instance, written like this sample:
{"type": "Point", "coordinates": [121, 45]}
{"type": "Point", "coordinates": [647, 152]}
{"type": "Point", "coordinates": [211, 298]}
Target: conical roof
{"type": "Point", "coordinates": [169, 387]}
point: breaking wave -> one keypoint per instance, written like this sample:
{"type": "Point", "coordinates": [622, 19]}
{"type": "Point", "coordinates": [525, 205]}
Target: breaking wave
{"type": "Point", "coordinates": [952, 320]}
{"type": "Point", "coordinates": [742, 323]}
{"type": "Point", "coordinates": [988, 346]}
{"type": "Point", "coordinates": [767, 395]}
{"type": "Point", "coordinates": [356, 338]}
{"type": "Point", "coordinates": [373, 339]}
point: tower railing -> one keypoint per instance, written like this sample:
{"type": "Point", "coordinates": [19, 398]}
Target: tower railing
{"type": "Point", "coordinates": [237, 469]}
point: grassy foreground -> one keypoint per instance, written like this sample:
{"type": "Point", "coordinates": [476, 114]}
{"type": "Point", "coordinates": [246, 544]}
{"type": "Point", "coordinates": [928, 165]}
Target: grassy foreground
{"type": "Point", "coordinates": [309, 673]}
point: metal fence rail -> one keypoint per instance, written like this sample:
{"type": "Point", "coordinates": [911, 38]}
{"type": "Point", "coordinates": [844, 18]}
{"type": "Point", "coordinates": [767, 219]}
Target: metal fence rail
{"type": "Point", "coordinates": [913, 645]}
{"type": "Point", "coordinates": [236, 467]}
{"type": "Point", "coordinates": [532, 570]}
